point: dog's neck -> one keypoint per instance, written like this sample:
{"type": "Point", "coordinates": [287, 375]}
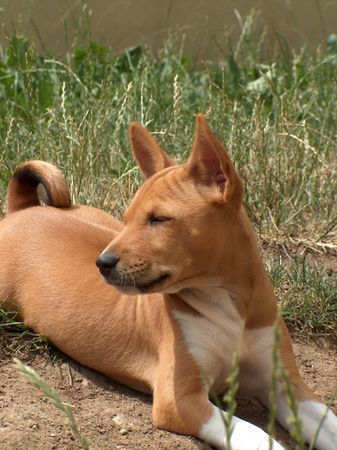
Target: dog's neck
{"type": "Point", "coordinates": [209, 302]}
{"type": "Point", "coordinates": [242, 281]}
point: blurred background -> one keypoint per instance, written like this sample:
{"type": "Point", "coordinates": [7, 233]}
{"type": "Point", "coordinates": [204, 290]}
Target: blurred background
{"type": "Point", "coordinates": [55, 24]}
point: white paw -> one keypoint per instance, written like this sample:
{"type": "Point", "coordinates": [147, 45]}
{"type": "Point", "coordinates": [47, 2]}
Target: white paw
{"type": "Point", "coordinates": [246, 436]}
{"type": "Point", "coordinates": [311, 413]}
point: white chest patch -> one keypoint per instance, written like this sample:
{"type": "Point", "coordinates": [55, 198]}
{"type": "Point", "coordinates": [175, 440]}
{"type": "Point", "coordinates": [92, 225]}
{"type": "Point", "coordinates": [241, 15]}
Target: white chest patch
{"type": "Point", "coordinates": [213, 336]}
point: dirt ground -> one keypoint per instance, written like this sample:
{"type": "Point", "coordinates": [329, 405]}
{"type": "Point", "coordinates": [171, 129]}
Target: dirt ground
{"type": "Point", "coordinates": [112, 416]}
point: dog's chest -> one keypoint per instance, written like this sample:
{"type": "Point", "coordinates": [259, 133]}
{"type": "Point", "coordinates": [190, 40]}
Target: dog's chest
{"type": "Point", "coordinates": [214, 336]}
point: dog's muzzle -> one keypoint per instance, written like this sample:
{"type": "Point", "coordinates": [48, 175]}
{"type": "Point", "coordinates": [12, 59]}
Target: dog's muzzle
{"type": "Point", "coordinates": [126, 281]}
{"type": "Point", "coordinates": [106, 262]}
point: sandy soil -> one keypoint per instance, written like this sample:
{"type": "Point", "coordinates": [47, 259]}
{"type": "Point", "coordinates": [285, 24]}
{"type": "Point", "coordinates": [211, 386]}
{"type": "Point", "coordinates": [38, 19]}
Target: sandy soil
{"type": "Point", "coordinates": [112, 416]}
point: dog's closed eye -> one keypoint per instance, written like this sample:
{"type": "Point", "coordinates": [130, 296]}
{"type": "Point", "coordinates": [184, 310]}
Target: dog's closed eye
{"type": "Point", "coordinates": [156, 220]}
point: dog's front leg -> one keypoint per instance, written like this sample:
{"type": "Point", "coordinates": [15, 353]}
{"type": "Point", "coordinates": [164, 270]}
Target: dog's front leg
{"type": "Point", "coordinates": [193, 414]}
{"type": "Point", "coordinates": [318, 422]}
{"type": "Point", "coordinates": [243, 435]}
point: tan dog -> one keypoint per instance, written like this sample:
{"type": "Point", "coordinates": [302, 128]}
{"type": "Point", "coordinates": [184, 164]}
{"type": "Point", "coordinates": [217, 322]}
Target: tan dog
{"type": "Point", "coordinates": [188, 289]}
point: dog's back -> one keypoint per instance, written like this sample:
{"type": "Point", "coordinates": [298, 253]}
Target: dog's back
{"type": "Point", "coordinates": [38, 204]}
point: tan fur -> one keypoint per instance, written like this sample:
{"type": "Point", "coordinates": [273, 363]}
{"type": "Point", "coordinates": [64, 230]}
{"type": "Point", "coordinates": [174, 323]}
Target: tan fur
{"type": "Point", "coordinates": [23, 186]}
{"type": "Point", "coordinates": [206, 242]}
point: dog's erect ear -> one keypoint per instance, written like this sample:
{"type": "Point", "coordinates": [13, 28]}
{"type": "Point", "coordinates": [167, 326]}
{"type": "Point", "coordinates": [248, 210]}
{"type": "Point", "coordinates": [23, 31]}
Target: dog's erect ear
{"type": "Point", "coordinates": [150, 157]}
{"type": "Point", "coordinates": [211, 167]}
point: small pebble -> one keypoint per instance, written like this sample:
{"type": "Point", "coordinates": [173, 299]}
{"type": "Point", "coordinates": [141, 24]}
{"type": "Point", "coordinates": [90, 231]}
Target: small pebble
{"type": "Point", "coordinates": [118, 421]}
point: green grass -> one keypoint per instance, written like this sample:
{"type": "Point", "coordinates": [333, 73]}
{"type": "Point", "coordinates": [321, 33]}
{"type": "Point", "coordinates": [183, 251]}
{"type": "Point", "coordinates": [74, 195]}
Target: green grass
{"type": "Point", "coordinates": [308, 296]}
{"type": "Point", "coordinates": [12, 327]}
{"type": "Point", "coordinates": [278, 120]}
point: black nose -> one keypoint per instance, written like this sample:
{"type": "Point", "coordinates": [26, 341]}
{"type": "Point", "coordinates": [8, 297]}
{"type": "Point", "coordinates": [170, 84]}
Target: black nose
{"type": "Point", "coordinates": [107, 261]}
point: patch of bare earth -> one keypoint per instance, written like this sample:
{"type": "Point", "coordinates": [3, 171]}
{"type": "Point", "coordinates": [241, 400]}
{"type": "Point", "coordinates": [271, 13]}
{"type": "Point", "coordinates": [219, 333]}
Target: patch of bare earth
{"type": "Point", "coordinates": [114, 417]}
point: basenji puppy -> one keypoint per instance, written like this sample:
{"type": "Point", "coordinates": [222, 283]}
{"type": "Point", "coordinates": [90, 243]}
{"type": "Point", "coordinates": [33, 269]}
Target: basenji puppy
{"type": "Point", "coordinates": [180, 289]}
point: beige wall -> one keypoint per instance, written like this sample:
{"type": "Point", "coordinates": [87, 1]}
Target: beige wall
{"type": "Point", "coordinates": [123, 23]}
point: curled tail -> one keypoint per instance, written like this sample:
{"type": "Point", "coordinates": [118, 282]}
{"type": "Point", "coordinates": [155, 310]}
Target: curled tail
{"type": "Point", "coordinates": [36, 182]}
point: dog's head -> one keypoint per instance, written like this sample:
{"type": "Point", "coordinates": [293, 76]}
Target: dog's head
{"type": "Point", "coordinates": [179, 227]}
